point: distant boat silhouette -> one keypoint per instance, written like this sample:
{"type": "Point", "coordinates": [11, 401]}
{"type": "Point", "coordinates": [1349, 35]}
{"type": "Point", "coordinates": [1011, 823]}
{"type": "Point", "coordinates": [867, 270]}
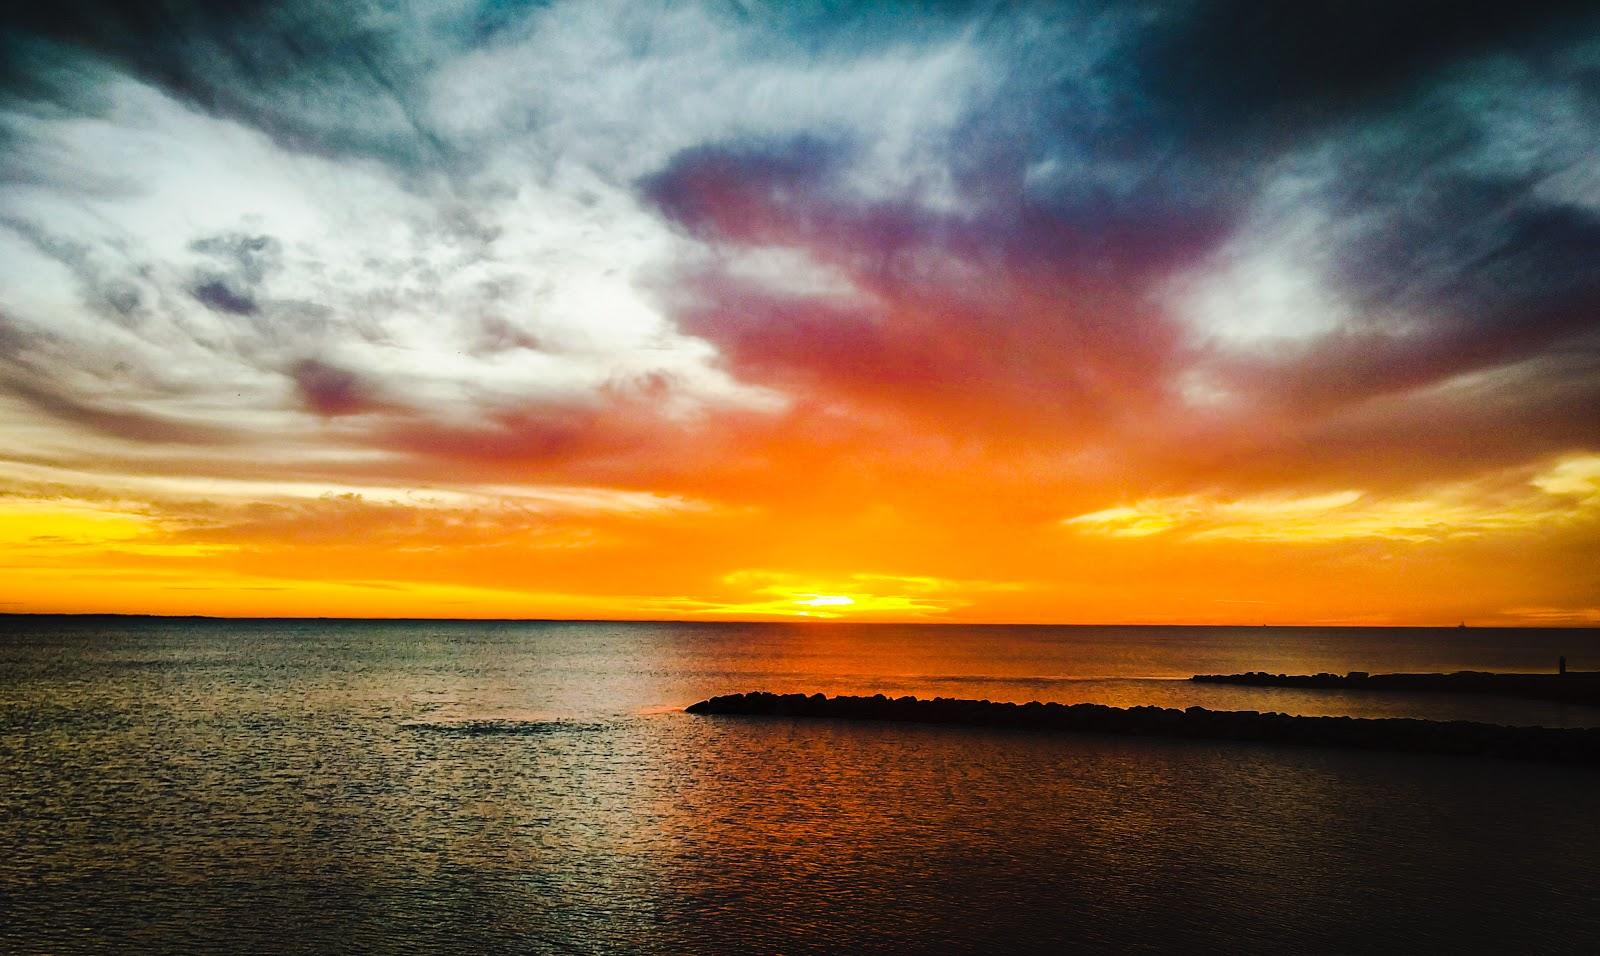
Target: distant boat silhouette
{"type": "Point", "coordinates": [1462, 626]}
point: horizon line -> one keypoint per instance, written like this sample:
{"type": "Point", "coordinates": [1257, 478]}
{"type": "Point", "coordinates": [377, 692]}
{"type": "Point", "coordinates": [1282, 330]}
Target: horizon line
{"type": "Point", "coordinates": [805, 622]}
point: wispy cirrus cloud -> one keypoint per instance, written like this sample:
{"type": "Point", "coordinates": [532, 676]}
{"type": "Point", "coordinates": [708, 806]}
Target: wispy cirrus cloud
{"type": "Point", "coordinates": [1566, 493]}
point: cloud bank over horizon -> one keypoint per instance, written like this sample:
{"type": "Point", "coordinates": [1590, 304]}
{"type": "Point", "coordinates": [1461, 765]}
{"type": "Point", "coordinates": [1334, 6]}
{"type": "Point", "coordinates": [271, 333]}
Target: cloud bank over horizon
{"type": "Point", "coordinates": [952, 311]}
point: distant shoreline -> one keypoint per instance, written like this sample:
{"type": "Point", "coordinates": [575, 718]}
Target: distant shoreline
{"type": "Point", "coordinates": [1579, 746]}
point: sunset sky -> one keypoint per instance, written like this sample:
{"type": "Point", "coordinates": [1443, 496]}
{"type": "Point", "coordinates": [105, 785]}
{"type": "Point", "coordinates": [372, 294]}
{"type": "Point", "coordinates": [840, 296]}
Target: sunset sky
{"type": "Point", "coordinates": [1223, 312]}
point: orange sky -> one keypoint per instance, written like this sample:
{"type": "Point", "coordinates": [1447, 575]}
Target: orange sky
{"type": "Point", "coordinates": [671, 313]}
{"type": "Point", "coordinates": [828, 543]}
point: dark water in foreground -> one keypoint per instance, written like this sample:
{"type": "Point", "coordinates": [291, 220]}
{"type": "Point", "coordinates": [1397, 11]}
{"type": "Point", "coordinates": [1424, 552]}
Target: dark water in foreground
{"type": "Point", "coordinates": [319, 786]}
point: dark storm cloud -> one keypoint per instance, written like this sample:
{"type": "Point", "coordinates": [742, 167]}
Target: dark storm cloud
{"type": "Point", "coordinates": [1221, 68]}
{"type": "Point", "coordinates": [323, 78]}
{"type": "Point", "coordinates": [796, 193]}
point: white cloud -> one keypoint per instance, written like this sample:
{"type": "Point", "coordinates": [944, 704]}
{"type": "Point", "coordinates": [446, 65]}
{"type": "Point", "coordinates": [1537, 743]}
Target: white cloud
{"type": "Point", "coordinates": [1271, 284]}
{"type": "Point", "coordinates": [619, 88]}
{"type": "Point", "coordinates": [519, 271]}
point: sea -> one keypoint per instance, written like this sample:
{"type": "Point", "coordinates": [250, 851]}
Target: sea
{"type": "Point", "coordinates": [320, 786]}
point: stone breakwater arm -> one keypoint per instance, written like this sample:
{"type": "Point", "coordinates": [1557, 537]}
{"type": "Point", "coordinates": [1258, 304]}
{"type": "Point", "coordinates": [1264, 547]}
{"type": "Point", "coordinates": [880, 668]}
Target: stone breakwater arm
{"type": "Point", "coordinates": [1571, 688]}
{"type": "Point", "coordinates": [1568, 746]}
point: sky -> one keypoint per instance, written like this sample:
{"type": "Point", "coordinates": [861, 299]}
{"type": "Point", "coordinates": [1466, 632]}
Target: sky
{"type": "Point", "coordinates": [1165, 312]}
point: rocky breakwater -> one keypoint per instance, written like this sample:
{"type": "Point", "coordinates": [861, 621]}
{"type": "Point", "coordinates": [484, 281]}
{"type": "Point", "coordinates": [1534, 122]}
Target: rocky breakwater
{"type": "Point", "coordinates": [1567, 746]}
{"type": "Point", "coordinates": [1573, 687]}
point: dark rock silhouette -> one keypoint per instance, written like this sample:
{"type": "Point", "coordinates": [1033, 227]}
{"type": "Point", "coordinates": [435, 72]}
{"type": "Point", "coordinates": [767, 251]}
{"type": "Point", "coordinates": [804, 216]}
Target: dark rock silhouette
{"type": "Point", "coordinates": [1569, 746]}
{"type": "Point", "coordinates": [1572, 687]}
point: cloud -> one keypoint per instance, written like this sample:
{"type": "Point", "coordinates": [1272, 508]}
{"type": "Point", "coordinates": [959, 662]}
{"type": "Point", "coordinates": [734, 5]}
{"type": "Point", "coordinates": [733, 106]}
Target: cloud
{"type": "Point", "coordinates": [1234, 69]}
{"type": "Point", "coordinates": [854, 273]}
{"type": "Point", "coordinates": [1417, 243]}
{"type": "Point", "coordinates": [500, 214]}
{"type": "Point", "coordinates": [330, 390]}
{"type": "Point", "coordinates": [243, 282]}
{"type": "Point", "coordinates": [1006, 319]}
{"type": "Point", "coordinates": [1564, 494]}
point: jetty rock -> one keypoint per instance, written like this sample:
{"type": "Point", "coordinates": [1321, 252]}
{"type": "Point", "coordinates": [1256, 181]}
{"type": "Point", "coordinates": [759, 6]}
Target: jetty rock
{"type": "Point", "coordinates": [1578, 746]}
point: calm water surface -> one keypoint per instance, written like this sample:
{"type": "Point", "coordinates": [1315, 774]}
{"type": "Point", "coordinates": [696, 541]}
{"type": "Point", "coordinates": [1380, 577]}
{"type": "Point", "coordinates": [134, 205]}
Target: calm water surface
{"type": "Point", "coordinates": [318, 786]}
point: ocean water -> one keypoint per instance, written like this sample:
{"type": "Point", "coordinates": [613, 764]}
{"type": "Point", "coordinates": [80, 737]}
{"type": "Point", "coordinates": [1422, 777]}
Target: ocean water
{"type": "Point", "coordinates": [320, 786]}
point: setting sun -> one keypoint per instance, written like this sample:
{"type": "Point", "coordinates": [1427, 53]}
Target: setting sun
{"type": "Point", "coordinates": [826, 600]}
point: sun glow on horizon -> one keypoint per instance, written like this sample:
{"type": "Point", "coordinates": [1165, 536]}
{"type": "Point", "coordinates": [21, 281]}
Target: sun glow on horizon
{"type": "Point", "coordinates": [826, 600]}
